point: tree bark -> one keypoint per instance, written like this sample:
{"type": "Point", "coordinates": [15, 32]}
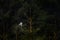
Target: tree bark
{"type": "Point", "coordinates": [30, 23]}
{"type": "Point", "coordinates": [54, 35]}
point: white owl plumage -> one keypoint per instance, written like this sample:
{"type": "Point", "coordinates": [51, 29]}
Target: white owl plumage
{"type": "Point", "coordinates": [20, 24]}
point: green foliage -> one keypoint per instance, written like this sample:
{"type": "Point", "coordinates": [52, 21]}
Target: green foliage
{"type": "Point", "coordinates": [19, 10]}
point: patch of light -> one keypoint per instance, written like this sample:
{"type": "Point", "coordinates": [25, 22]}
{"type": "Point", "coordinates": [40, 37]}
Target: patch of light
{"type": "Point", "coordinates": [20, 23]}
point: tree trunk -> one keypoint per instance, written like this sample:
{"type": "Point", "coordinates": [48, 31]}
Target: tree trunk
{"type": "Point", "coordinates": [49, 36]}
{"type": "Point", "coordinates": [30, 23]}
{"type": "Point", "coordinates": [3, 31]}
{"type": "Point", "coordinates": [54, 36]}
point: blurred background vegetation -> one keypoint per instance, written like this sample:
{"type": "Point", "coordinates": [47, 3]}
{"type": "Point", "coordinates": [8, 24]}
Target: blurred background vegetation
{"type": "Point", "coordinates": [40, 19]}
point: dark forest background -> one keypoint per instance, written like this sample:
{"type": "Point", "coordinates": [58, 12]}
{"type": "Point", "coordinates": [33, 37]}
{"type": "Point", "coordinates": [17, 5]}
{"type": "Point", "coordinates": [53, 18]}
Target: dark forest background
{"type": "Point", "coordinates": [40, 18]}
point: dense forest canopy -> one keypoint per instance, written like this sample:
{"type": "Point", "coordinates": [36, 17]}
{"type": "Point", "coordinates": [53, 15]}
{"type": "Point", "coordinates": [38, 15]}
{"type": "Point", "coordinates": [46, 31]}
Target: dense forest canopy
{"type": "Point", "coordinates": [40, 19]}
